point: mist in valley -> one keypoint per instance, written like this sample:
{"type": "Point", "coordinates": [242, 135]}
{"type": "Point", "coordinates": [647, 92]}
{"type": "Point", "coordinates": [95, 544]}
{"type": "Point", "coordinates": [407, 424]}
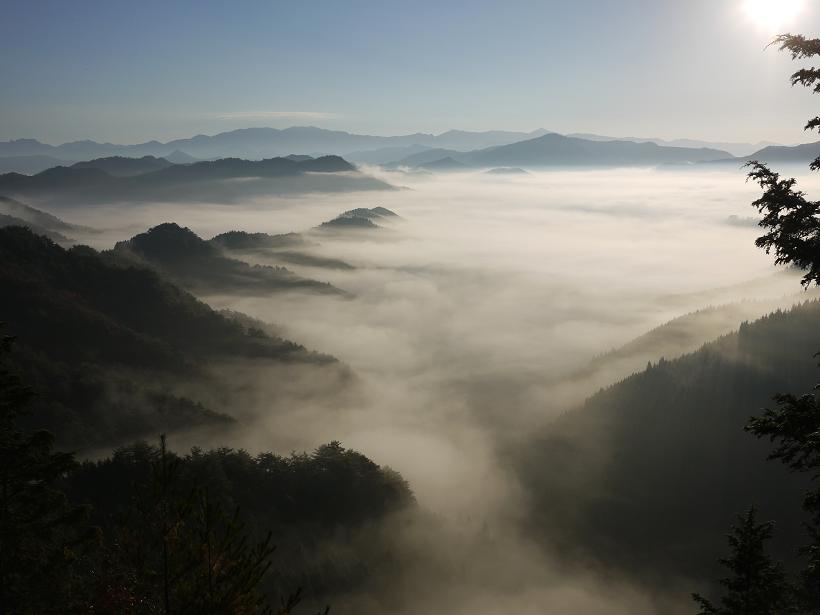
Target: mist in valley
{"type": "Point", "coordinates": [488, 309]}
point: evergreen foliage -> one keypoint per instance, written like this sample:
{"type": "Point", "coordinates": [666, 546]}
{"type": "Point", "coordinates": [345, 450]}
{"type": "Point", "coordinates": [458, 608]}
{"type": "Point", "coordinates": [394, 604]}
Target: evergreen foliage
{"type": "Point", "coordinates": [757, 585]}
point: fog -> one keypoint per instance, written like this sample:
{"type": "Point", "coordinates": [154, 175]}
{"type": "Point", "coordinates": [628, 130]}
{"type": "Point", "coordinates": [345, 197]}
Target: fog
{"type": "Point", "coordinates": [473, 322]}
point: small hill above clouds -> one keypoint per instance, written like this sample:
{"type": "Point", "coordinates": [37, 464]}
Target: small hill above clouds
{"type": "Point", "coordinates": [507, 171]}
{"type": "Point", "coordinates": [241, 240]}
{"type": "Point", "coordinates": [361, 218]}
{"type": "Point", "coordinates": [201, 266]}
{"type": "Point", "coordinates": [289, 248]}
{"type": "Point", "coordinates": [372, 213]}
{"type": "Point", "coordinates": [348, 222]}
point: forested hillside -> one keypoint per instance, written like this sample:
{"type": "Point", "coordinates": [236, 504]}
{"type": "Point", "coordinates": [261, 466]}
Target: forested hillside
{"type": "Point", "coordinates": [104, 343]}
{"type": "Point", "coordinates": [647, 473]}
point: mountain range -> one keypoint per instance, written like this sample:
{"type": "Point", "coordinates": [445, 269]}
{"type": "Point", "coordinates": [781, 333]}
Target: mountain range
{"type": "Point", "coordinates": [28, 155]}
{"type": "Point", "coordinates": [554, 150]}
{"type": "Point", "coordinates": [252, 149]}
{"type": "Point", "coordinates": [257, 143]}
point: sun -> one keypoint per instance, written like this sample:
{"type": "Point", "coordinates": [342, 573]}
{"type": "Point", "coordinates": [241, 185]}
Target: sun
{"type": "Point", "coordinates": [773, 14]}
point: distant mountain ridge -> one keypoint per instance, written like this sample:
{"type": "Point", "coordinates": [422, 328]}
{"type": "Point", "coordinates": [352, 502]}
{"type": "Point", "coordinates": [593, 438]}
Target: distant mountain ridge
{"type": "Point", "coordinates": [257, 143]}
{"type": "Point", "coordinates": [734, 148]}
{"type": "Point", "coordinates": [417, 149]}
{"type": "Point", "coordinates": [554, 150]}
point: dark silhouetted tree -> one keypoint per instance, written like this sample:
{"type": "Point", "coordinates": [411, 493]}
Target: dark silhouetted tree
{"type": "Point", "coordinates": [792, 224]}
{"type": "Point", "coordinates": [183, 553]}
{"type": "Point", "coordinates": [792, 221]}
{"type": "Point", "coordinates": [794, 426]}
{"type": "Point", "coordinates": [41, 533]}
{"type": "Point", "coordinates": [757, 585]}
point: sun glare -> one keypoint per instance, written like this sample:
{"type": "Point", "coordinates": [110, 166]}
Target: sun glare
{"type": "Point", "coordinates": [773, 14]}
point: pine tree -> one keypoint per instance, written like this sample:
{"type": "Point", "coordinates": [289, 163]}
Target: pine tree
{"type": "Point", "coordinates": [757, 586]}
{"type": "Point", "coordinates": [183, 553]}
{"type": "Point", "coordinates": [41, 533]}
{"type": "Point", "coordinates": [792, 224]}
{"type": "Point", "coordinates": [794, 425]}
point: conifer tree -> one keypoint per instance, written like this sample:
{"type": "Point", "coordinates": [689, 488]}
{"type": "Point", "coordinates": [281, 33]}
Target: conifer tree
{"type": "Point", "coordinates": [792, 224]}
{"type": "Point", "coordinates": [757, 585]}
{"type": "Point", "coordinates": [41, 533]}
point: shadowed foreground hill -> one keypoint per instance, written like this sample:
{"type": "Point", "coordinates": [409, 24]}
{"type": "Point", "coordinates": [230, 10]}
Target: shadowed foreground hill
{"type": "Point", "coordinates": [649, 472]}
{"type": "Point", "coordinates": [93, 330]}
{"type": "Point", "coordinates": [323, 509]}
{"type": "Point", "coordinates": [201, 266]}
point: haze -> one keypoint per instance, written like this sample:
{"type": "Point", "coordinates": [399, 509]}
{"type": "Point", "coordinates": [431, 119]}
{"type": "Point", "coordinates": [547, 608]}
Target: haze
{"type": "Point", "coordinates": [462, 306]}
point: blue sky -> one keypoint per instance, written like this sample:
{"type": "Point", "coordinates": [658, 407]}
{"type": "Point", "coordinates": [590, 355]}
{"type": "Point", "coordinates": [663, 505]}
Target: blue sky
{"type": "Point", "coordinates": [132, 71]}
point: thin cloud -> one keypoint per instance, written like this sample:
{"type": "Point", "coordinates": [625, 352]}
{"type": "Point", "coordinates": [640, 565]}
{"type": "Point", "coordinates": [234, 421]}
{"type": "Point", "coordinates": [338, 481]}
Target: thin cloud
{"type": "Point", "coordinates": [262, 115]}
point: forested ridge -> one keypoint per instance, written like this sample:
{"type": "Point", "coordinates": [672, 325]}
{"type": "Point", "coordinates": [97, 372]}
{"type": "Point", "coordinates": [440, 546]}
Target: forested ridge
{"type": "Point", "coordinates": [647, 472]}
{"type": "Point", "coordinates": [103, 341]}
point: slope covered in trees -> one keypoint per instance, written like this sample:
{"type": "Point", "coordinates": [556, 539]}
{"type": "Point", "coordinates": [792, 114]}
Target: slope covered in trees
{"type": "Point", "coordinates": [148, 531]}
{"type": "Point", "coordinates": [313, 506]}
{"type": "Point", "coordinates": [648, 473]}
{"type": "Point", "coordinates": [94, 330]}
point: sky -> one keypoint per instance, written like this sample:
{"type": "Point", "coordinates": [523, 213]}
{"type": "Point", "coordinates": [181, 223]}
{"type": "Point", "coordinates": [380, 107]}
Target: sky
{"type": "Point", "coordinates": [125, 72]}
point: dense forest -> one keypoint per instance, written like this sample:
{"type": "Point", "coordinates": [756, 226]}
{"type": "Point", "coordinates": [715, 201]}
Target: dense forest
{"type": "Point", "coordinates": [647, 472]}
{"type": "Point", "coordinates": [148, 531]}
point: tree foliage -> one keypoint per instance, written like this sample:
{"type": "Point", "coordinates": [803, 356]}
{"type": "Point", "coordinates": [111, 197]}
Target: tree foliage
{"type": "Point", "coordinates": [42, 534]}
{"type": "Point", "coordinates": [757, 585]}
{"type": "Point", "coordinates": [792, 223]}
